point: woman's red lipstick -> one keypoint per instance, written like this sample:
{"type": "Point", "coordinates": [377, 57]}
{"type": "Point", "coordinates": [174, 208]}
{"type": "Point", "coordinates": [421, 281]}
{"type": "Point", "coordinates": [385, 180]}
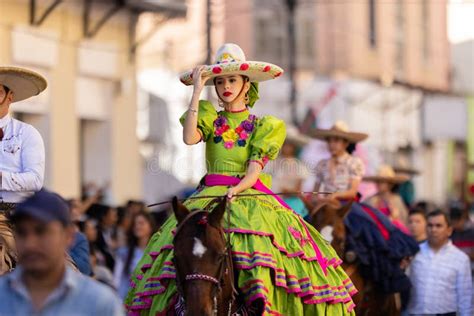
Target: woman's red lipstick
{"type": "Point", "coordinates": [227, 94]}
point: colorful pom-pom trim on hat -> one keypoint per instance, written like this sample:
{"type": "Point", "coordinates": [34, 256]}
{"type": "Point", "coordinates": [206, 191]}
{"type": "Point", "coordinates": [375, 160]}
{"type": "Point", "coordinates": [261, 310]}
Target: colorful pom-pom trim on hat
{"type": "Point", "coordinates": [230, 60]}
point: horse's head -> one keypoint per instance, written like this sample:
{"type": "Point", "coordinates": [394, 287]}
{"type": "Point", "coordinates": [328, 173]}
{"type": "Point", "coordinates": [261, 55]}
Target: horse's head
{"type": "Point", "coordinates": [328, 219]}
{"type": "Point", "coordinates": [202, 259]}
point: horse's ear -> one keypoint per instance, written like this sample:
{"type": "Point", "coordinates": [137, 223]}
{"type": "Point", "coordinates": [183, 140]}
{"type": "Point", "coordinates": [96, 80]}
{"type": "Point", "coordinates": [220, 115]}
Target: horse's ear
{"type": "Point", "coordinates": [180, 211]}
{"type": "Point", "coordinates": [342, 212]}
{"type": "Point", "coordinates": [215, 217]}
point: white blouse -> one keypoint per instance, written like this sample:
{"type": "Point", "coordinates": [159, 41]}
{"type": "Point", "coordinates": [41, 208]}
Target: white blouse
{"type": "Point", "coordinates": [22, 160]}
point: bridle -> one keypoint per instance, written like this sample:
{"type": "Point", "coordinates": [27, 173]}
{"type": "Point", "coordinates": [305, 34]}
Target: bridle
{"type": "Point", "coordinates": [224, 262]}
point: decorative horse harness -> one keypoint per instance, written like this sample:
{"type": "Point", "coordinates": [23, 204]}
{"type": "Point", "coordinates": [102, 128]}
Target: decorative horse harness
{"type": "Point", "coordinates": [224, 262]}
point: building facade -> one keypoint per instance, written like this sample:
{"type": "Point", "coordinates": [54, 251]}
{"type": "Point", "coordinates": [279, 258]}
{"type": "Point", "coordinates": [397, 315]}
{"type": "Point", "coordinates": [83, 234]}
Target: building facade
{"type": "Point", "coordinates": [87, 116]}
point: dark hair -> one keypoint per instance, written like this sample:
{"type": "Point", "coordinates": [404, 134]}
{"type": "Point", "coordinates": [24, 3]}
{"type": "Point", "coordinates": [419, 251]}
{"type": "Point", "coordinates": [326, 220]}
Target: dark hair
{"type": "Point", "coordinates": [98, 211]}
{"type": "Point", "coordinates": [439, 212]}
{"type": "Point", "coordinates": [456, 213]}
{"type": "Point", "coordinates": [351, 148]}
{"type": "Point", "coordinates": [417, 211]}
{"type": "Point", "coordinates": [6, 93]}
{"type": "Point", "coordinates": [122, 214]}
{"type": "Point", "coordinates": [395, 188]}
{"type": "Point", "coordinates": [132, 241]}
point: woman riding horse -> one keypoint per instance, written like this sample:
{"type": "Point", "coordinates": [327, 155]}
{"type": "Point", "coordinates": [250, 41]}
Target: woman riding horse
{"type": "Point", "coordinates": [371, 238]}
{"type": "Point", "coordinates": [282, 265]}
{"type": "Point", "coordinates": [386, 200]}
{"type": "Point", "coordinates": [342, 173]}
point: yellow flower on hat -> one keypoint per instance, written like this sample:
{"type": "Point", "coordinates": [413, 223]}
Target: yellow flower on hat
{"type": "Point", "coordinates": [230, 136]}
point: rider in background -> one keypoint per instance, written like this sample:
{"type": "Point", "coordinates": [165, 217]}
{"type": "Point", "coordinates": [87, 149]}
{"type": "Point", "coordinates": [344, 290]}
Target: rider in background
{"type": "Point", "coordinates": [22, 154]}
{"type": "Point", "coordinates": [387, 200]}
{"type": "Point", "coordinates": [342, 173]}
{"type": "Point", "coordinates": [379, 247]}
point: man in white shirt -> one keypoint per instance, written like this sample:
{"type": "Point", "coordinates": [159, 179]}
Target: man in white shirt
{"type": "Point", "coordinates": [440, 273]}
{"type": "Point", "coordinates": [22, 154]}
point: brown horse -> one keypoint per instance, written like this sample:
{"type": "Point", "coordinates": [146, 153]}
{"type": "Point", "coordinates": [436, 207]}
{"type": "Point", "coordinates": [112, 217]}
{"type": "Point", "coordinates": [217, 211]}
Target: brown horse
{"type": "Point", "coordinates": [204, 272]}
{"type": "Point", "coordinates": [328, 218]}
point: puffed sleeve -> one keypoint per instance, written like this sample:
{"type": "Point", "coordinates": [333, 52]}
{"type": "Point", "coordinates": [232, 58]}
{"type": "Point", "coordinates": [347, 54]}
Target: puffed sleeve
{"type": "Point", "coordinates": [356, 169]}
{"type": "Point", "coordinates": [267, 139]}
{"type": "Point", "coordinates": [207, 114]}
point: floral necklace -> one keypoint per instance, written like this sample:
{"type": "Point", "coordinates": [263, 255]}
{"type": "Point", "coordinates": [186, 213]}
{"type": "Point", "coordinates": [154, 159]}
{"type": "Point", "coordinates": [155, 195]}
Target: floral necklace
{"type": "Point", "coordinates": [233, 137]}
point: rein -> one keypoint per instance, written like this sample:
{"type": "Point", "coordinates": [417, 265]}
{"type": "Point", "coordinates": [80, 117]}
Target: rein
{"type": "Point", "coordinates": [240, 195]}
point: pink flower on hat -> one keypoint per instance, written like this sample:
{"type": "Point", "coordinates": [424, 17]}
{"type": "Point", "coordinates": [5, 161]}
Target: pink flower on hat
{"type": "Point", "coordinates": [244, 67]}
{"type": "Point", "coordinates": [217, 70]}
{"type": "Point", "coordinates": [267, 68]}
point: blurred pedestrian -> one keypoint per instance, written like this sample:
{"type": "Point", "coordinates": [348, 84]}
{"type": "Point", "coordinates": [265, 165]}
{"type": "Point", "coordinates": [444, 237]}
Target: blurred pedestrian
{"type": "Point", "coordinates": [134, 206]}
{"type": "Point", "coordinates": [79, 249]}
{"type": "Point", "coordinates": [406, 189]}
{"type": "Point", "coordinates": [139, 233]}
{"type": "Point", "coordinates": [106, 225]}
{"type": "Point", "coordinates": [288, 171]}
{"type": "Point", "coordinates": [124, 222]}
{"type": "Point", "coordinates": [417, 224]}
{"type": "Point", "coordinates": [440, 273]}
{"type": "Point", "coordinates": [463, 232]}
{"type": "Point", "coordinates": [22, 154]}
{"type": "Point", "coordinates": [43, 284]}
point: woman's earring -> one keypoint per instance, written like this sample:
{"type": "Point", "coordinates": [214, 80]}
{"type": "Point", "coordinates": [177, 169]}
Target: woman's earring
{"type": "Point", "coordinates": [247, 98]}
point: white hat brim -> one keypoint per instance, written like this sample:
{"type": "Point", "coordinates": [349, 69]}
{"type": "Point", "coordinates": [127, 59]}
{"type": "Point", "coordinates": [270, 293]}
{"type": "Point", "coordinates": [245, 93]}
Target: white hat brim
{"type": "Point", "coordinates": [256, 71]}
{"type": "Point", "coordinates": [23, 82]}
{"type": "Point", "coordinates": [324, 134]}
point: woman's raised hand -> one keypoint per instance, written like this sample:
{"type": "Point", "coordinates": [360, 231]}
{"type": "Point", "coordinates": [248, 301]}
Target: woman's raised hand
{"type": "Point", "coordinates": [198, 79]}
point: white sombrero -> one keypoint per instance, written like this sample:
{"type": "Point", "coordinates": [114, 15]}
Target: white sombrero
{"type": "Point", "coordinates": [23, 82]}
{"type": "Point", "coordinates": [341, 130]}
{"type": "Point", "coordinates": [386, 173]}
{"type": "Point", "coordinates": [230, 60]}
{"type": "Point", "coordinates": [293, 135]}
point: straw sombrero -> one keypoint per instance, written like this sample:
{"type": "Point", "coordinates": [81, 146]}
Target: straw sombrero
{"type": "Point", "coordinates": [339, 129]}
{"type": "Point", "coordinates": [23, 82]}
{"type": "Point", "coordinates": [386, 173]}
{"type": "Point", "coordinates": [403, 166]}
{"type": "Point", "coordinates": [230, 60]}
{"type": "Point", "coordinates": [294, 136]}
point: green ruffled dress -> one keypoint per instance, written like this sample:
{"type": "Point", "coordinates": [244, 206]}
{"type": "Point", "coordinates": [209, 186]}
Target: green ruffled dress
{"type": "Point", "coordinates": [265, 235]}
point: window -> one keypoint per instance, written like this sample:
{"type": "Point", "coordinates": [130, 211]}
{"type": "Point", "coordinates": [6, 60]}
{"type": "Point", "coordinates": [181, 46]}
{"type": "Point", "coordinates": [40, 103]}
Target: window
{"type": "Point", "coordinates": [305, 40]}
{"type": "Point", "coordinates": [270, 34]}
{"type": "Point", "coordinates": [399, 39]}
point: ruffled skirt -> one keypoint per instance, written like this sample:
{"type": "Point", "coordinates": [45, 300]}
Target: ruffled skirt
{"type": "Point", "coordinates": [279, 258]}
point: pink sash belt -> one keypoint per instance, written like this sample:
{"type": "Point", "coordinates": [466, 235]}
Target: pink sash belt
{"type": "Point", "coordinates": [220, 179]}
